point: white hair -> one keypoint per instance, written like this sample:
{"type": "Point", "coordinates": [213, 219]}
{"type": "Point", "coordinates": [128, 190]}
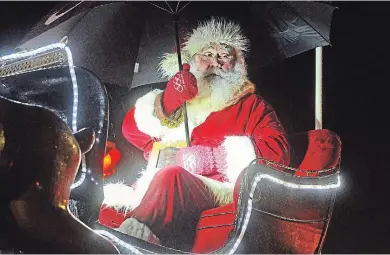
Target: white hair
{"type": "Point", "coordinates": [214, 31]}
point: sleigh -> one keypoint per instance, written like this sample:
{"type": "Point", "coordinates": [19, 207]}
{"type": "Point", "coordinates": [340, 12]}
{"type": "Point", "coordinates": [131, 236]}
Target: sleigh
{"type": "Point", "coordinates": [293, 205]}
{"type": "Point", "coordinates": [280, 209]}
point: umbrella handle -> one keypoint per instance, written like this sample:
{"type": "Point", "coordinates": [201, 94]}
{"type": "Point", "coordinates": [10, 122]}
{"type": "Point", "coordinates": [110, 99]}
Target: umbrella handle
{"type": "Point", "coordinates": [318, 89]}
{"type": "Point", "coordinates": [176, 23]}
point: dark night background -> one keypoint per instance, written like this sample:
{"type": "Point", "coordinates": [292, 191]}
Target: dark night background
{"type": "Point", "coordinates": [356, 80]}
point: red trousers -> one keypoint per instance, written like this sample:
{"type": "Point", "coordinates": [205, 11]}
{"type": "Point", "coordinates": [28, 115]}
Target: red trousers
{"type": "Point", "coordinates": [172, 206]}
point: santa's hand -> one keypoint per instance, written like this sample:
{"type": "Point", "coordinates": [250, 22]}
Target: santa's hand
{"type": "Point", "coordinates": [180, 88]}
{"type": "Point", "coordinates": [196, 159]}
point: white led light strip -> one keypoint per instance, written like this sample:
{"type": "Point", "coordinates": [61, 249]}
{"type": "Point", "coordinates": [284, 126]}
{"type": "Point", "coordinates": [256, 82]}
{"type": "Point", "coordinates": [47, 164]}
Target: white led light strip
{"type": "Point", "coordinates": [276, 180]}
{"type": "Point", "coordinates": [33, 52]}
{"type": "Point", "coordinates": [71, 68]}
{"type": "Point", "coordinates": [118, 241]}
{"type": "Point", "coordinates": [83, 173]}
{"type": "Point", "coordinates": [249, 208]}
{"type": "Point", "coordinates": [75, 90]}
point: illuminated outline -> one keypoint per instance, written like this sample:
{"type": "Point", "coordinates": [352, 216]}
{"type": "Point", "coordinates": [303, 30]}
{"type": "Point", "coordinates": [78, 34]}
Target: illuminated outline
{"type": "Point", "coordinates": [75, 91]}
{"type": "Point", "coordinates": [257, 179]}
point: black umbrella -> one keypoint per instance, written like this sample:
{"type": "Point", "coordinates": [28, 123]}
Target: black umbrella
{"type": "Point", "coordinates": [277, 30]}
{"type": "Point", "coordinates": [104, 37]}
{"type": "Point", "coordinates": [122, 42]}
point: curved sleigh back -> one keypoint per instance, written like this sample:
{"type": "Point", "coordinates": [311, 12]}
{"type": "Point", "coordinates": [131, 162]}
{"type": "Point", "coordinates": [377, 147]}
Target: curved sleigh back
{"type": "Point", "coordinates": [281, 213]}
{"type": "Point", "coordinates": [288, 210]}
{"type": "Point", "coordinates": [82, 104]}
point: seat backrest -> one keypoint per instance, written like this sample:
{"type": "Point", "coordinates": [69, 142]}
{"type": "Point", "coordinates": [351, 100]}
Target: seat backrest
{"type": "Point", "coordinates": [287, 213]}
{"type": "Point", "coordinates": [53, 89]}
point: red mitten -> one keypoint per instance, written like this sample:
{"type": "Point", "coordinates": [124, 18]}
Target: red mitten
{"type": "Point", "coordinates": [180, 88]}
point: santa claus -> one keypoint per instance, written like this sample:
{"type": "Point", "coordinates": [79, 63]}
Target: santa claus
{"type": "Point", "coordinates": [229, 127]}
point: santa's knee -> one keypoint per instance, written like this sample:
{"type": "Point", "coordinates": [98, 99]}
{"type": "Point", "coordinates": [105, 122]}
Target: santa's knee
{"type": "Point", "coordinates": [170, 172]}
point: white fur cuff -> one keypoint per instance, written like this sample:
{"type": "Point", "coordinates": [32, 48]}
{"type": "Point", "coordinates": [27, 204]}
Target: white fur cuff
{"type": "Point", "coordinates": [143, 115]}
{"type": "Point", "coordinates": [240, 152]}
{"type": "Point", "coordinates": [119, 196]}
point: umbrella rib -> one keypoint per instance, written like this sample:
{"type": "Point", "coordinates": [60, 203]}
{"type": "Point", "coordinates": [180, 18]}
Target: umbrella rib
{"type": "Point", "coordinates": [169, 6]}
{"type": "Point", "coordinates": [177, 6]}
{"type": "Point", "coordinates": [297, 13]}
{"type": "Point", "coordinates": [160, 7]}
{"type": "Point", "coordinates": [184, 6]}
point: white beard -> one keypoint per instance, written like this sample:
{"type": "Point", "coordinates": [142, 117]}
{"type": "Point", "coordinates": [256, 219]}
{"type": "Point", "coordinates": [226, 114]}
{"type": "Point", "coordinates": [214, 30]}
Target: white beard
{"type": "Point", "coordinates": [216, 87]}
{"type": "Point", "coordinates": [214, 94]}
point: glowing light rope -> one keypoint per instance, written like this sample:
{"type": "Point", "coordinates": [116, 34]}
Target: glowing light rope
{"type": "Point", "coordinates": [257, 180]}
{"type": "Point", "coordinates": [74, 115]}
{"type": "Point", "coordinates": [75, 89]}
{"type": "Point", "coordinates": [83, 174]}
{"type": "Point", "coordinates": [71, 69]}
{"type": "Point", "coordinates": [278, 181]}
{"type": "Point", "coordinates": [33, 52]}
{"type": "Point", "coordinates": [118, 241]}
{"type": "Point", "coordinates": [74, 84]}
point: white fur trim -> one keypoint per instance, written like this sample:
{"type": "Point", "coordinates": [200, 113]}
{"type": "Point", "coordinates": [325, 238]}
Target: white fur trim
{"type": "Point", "coordinates": [143, 114]}
{"type": "Point", "coordinates": [124, 198]}
{"type": "Point", "coordinates": [119, 196]}
{"type": "Point", "coordinates": [218, 31]}
{"type": "Point", "coordinates": [169, 64]}
{"type": "Point", "coordinates": [240, 152]}
{"type": "Point", "coordinates": [222, 192]}
{"type": "Point", "coordinates": [150, 125]}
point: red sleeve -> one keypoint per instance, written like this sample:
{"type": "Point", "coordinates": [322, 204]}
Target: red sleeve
{"type": "Point", "coordinates": [268, 135]}
{"type": "Point", "coordinates": [132, 134]}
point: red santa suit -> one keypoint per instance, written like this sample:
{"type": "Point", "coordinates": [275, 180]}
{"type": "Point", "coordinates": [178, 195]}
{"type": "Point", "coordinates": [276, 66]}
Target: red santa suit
{"type": "Point", "coordinates": [225, 138]}
{"type": "Point", "coordinates": [242, 132]}
{"type": "Point", "coordinates": [245, 130]}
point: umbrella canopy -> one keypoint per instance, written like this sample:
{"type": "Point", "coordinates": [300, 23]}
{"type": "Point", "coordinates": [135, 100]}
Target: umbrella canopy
{"type": "Point", "coordinates": [122, 42]}
{"type": "Point", "coordinates": [104, 38]}
{"type": "Point", "coordinates": [277, 30]}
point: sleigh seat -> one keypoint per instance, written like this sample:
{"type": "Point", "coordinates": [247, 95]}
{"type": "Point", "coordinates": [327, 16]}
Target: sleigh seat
{"type": "Point", "coordinates": [322, 158]}
{"type": "Point", "coordinates": [315, 155]}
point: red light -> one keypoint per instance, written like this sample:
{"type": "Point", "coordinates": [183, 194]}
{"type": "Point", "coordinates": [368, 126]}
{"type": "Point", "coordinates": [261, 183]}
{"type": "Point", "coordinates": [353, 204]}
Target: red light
{"type": "Point", "coordinates": [110, 161]}
{"type": "Point", "coordinates": [107, 162]}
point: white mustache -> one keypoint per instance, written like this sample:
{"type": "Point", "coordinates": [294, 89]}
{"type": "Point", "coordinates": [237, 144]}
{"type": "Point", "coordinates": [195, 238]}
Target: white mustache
{"type": "Point", "coordinates": [215, 71]}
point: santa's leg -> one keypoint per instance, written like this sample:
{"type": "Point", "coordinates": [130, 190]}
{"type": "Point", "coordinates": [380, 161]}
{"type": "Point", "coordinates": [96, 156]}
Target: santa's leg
{"type": "Point", "coordinates": [172, 206]}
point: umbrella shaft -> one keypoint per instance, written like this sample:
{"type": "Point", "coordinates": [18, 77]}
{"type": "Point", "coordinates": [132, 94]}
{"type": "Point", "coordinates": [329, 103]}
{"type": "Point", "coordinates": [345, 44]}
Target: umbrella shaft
{"type": "Point", "coordinates": [188, 141]}
{"type": "Point", "coordinates": [177, 39]}
{"type": "Point", "coordinates": [176, 22]}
